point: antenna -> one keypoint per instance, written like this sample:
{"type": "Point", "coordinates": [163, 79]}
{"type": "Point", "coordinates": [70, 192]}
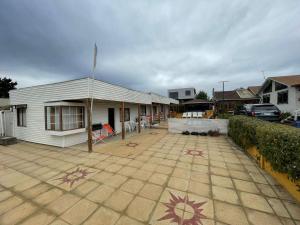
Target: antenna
{"type": "Point", "coordinates": [223, 82]}
{"type": "Point", "coordinates": [263, 73]}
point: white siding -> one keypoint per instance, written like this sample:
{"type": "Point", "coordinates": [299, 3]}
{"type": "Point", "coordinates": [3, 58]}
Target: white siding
{"type": "Point", "coordinates": [181, 93]}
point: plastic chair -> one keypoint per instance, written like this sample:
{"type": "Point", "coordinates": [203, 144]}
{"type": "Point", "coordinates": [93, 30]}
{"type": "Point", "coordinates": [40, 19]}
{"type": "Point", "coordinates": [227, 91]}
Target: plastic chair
{"type": "Point", "coordinates": [109, 129]}
{"type": "Point", "coordinates": [98, 136]}
{"type": "Point", "coordinates": [199, 114]}
{"type": "Point", "coordinates": [195, 114]}
{"type": "Point", "coordinates": [184, 115]}
{"type": "Point", "coordinates": [189, 115]}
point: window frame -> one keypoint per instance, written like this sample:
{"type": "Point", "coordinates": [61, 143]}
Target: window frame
{"type": "Point", "coordinates": [287, 99]}
{"type": "Point", "coordinates": [267, 96]}
{"type": "Point", "coordinates": [188, 91]}
{"type": "Point", "coordinates": [60, 115]}
{"type": "Point", "coordinates": [143, 109]}
{"type": "Point", "coordinates": [22, 122]}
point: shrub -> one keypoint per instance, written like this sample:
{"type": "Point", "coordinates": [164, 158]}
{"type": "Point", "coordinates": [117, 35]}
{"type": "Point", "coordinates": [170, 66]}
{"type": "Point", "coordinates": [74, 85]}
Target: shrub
{"type": "Point", "coordinates": [279, 144]}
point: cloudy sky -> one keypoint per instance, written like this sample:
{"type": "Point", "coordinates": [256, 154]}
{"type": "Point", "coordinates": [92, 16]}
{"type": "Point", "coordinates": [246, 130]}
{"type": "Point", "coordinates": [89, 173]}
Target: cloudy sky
{"type": "Point", "coordinates": [150, 45]}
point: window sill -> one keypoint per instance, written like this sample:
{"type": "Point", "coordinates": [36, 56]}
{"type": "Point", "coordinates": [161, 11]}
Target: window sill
{"type": "Point", "coordinates": [67, 132]}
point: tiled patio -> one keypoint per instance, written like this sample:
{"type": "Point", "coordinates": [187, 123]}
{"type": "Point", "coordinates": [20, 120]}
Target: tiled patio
{"type": "Point", "coordinates": [151, 178]}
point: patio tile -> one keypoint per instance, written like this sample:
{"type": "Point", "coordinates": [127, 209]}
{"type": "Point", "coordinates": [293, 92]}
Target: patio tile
{"type": "Point", "coordinates": [85, 188]}
{"type": "Point", "coordinates": [199, 188]}
{"type": "Point", "coordinates": [181, 173]}
{"type": "Point", "coordinates": [133, 186]}
{"type": "Point", "coordinates": [164, 169]}
{"type": "Point", "coordinates": [113, 168]}
{"type": "Point", "coordinates": [158, 178]}
{"type": "Point", "coordinates": [100, 194]}
{"type": "Point", "coordinates": [206, 205]}
{"type": "Point", "coordinates": [119, 200]}
{"type": "Point", "coordinates": [225, 194]}
{"type": "Point", "coordinates": [4, 195]}
{"type": "Point", "coordinates": [151, 191]}
{"type": "Point", "coordinates": [79, 212]}
{"type": "Point", "coordinates": [245, 186]}
{"type": "Point", "coordinates": [200, 177]}
{"type": "Point", "coordinates": [115, 181]}
{"type": "Point", "coordinates": [63, 203]}
{"type": "Point", "coordinates": [127, 171]}
{"type": "Point", "coordinates": [47, 197]}
{"type": "Point", "coordinates": [278, 207]}
{"type": "Point", "coordinates": [17, 214]}
{"type": "Point", "coordinates": [219, 171]}
{"type": "Point", "coordinates": [240, 175]}
{"type": "Point", "coordinates": [103, 216]}
{"type": "Point", "coordinates": [266, 190]}
{"type": "Point", "coordinates": [294, 209]}
{"type": "Point", "coordinates": [59, 222]}
{"type": "Point", "coordinates": [124, 220]}
{"type": "Point", "coordinates": [230, 214]}
{"type": "Point", "coordinates": [140, 208]}
{"type": "Point", "coordinates": [40, 218]}
{"type": "Point", "coordinates": [142, 175]}
{"type": "Point", "coordinates": [261, 218]}
{"type": "Point", "coordinates": [255, 202]}
{"type": "Point", "coordinates": [9, 204]}
{"type": "Point", "coordinates": [221, 181]}
{"type": "Point", "coordinates": [178, 183]}
{"type": "Point", "coordinates": [102, 176]}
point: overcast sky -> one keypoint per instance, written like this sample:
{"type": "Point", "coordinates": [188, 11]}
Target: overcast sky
{"type": "Point", "coordinates": [150, 45]}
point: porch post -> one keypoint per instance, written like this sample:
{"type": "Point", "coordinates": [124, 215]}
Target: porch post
{"type": "Point", "coordinates": [89, 125]}
{"type": "Point", "coordinates": [123, 119]}
{"type": "Point", "coordinates": [139, 118]}
{"type": "Point", "coordinates": [159, 113]}
{"type": "Point", "coordinates": [151, 116]}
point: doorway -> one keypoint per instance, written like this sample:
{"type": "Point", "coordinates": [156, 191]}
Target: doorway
{"type": "Point", "coordinates": [111, 117]}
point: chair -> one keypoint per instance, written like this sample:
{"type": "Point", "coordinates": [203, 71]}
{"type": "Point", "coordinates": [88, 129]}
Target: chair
{"type": "Point", "coordinates": [109, 129]}
{"type": "Point", "coordinates": [189, 115]}
{"type": "Point", "coordinates": [195, 114]}
{"type": "Point", "coordinates": [184, 115]}
{"type": "Point", "coordinates": [199, 115]}
{"type": "Point", "coordinates": [98, 136]}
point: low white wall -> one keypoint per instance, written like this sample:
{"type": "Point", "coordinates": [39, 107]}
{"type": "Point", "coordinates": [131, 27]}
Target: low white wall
{"type": "Point", "coordinates": [197, 125]}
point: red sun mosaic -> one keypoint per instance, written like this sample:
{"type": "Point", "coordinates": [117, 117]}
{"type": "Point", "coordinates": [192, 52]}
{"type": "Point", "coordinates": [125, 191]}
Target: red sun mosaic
{"type": "Point", "coordinates": [193, 209]}
{"type": "Point", "coordinates": [74, 176]}
{"type": "Point", "coordinates": [132, 144]}
{"type": "Point", "coordinates": [194, 152]}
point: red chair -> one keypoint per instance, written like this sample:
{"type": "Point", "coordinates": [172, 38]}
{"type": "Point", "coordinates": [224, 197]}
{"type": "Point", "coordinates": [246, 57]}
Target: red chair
{"type": "Point", "coordinates": [109, 129]}
{"type": "Point", "coordinates": [98, 136]}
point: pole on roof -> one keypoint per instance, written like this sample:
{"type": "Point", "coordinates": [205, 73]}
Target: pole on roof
{"type": "Point", "coordinates": [139, 118]}
{"type": "Point", "coordinates": [223, 84]}
{"type": "Point", "coordinates": [123, 119]}
{"type": "Point", "coordinates": [89, 121]}
{"type": "Point", "coordinates": [151, 115]}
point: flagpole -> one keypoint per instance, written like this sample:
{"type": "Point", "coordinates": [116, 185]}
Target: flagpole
{"type": "Point", "coordinates": [93, 75]}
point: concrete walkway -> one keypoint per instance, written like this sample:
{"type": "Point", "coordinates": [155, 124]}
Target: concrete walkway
{"type": "Point", "coordinates": [151, 178]}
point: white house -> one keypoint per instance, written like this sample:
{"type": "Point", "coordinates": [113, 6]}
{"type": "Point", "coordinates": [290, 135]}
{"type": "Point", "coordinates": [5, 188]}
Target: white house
{"type": "Point", "coordinates": [56, 114]}
{"type": "Point", "coordinates": [282, 91]}
{"type": "Point", "coordinates": [182, 94]}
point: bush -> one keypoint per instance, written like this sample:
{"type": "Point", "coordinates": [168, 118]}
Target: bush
{"type": "Point", "coordinates": [279, 144]}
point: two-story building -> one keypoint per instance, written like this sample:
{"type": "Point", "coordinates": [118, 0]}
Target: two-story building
{"type": "Point", "coordinates": [282, 91]}
{"type": "Point", "coordinates": [182, 94]}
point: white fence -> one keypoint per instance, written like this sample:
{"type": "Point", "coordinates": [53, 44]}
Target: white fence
{"type": "Point", "coordinates": [197, 125]}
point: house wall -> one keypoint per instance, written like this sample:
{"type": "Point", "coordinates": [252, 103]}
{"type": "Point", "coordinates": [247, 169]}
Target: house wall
{"type": "Point", "coordinates": [181, 93]}
{"type": "Point", "coordinates": [293, 99]}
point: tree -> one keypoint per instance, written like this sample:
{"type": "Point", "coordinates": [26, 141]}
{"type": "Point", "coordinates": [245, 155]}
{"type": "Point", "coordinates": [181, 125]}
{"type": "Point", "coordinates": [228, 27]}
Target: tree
{"type": "Point", "coordinates": [6, 84]}
{"type": "Point", "coordinates": [202, 95]}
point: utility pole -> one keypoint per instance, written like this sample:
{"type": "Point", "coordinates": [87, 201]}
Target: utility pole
{"type": "Point", "coordinates": [223, 84]}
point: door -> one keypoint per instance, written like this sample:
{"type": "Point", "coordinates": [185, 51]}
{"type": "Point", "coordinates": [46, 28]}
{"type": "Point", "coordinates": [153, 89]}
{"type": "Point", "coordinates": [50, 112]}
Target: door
{"type": "Point", "coordinates": [111, 117]}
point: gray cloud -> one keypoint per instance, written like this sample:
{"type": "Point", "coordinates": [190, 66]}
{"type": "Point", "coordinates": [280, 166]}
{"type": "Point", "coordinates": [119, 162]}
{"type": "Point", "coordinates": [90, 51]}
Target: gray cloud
{"type": "Point", "coordinates": [150, 45]}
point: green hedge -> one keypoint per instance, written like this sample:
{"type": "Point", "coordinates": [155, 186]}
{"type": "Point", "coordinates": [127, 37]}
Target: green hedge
{"type": "Point", "coordinates": [279, 144]}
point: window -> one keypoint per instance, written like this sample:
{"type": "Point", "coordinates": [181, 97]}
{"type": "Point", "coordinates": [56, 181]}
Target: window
{"type": "Point", "coordinates": [173, 95]}
{"type": "Point", "coordinates": [21, 117]}
{"type": "Point", "coordinates": [143, 110]}
{"type": "Point", "coordinates": [282, 97]}
{"type": "Point", "coordinates": [126, 116]}
{"type": "Point", "coordinates": [62, 118]}
{"type": "Point", "coordinates": [279, 86]}
{"type": "Point", "coordinates": [266, 99]}
{"type": "Point", "coordinates": [187, 93]}
{"type": "Point", "coordinates": [268, 88]}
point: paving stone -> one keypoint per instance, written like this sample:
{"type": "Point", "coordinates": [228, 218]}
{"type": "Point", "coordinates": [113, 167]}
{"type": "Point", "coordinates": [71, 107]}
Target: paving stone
{"type": "Point", "coordinates": [255, 202]}
{"type": "Point", "coordinates": [219, 171]}
{"type": "Point", "coordinates": [164, 169]}
{"type": "Point", "coordinates": [47, 197]}
{"type": "Point", "coordinates": [158, 178]}
{"type": "Point", "coordinates": [133, 186]}
{"type": "Point", "coordinates": [142, 175]}
{"type": "Point", "coordinates": [140, 209]}
{"type": "Point", "coordinates": [261, 218]}
{"type": "Point", "coordinates": [9, 204]}
{"type": "Point", "coordinates": [221, 181]}
{"type": "Point", "coordinates": [4, 195]}
{"type": "Point", "coordinates": [85, 188]}
{"type": "Point", "coordinates": [59, 222]}
{"type": "Point", "coordinates": [113, 168]}
{"type": "Point", "coordinates": [101, 193]}
{"type": "Point", "coordinates": [240, 175]}
{"type": "Point", "coordinates": [79, 212]}
{"type": "Point", "coordinates": [36, 190]}
{"type": "Point", "coordinates": [151, 191]}
{"type": "Point", "coordinates": [17, 214]}
{"type": "Point", "coordinates": [230, 214]}
{"type": "Point", "coordinates": [116, 181]}
{"type": "Point", "coordinates": [200, 177]}
{"type": "Point", "coordinates": [119, 200]}
{"type": "Point", "coordinates": [103, 216]}
{"type": "Point", "coordinates": [225, 194]}
{"type": "Point", "coordinates": [294, 209]}
{"type": "Point", "coordinates": [178, 183]}
{"type": "Point", "coordinates": [63, 203]}
{"type": "Point", "coordinates": [102, 176]}
{"type": "Point", "coordinates": [127, 171]}
{"type": "Point", "coordinates": [25, 185]}
{"type": "Point", "coordinates": [245, 186]}
{"type": "Point", "coordinates": [266, 190]}
{"type": "Point", "coordinates": [40, 218]}
{"type": "Point", "coordinates": [199, 188]}
{"type": "Point", "coordinates": [278, 207]}
{"type": "Point", "coordinates": [125, 220]}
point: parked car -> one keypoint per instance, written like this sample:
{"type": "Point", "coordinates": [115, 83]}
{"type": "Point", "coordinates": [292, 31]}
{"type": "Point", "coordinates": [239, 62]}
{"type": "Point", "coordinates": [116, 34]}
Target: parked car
{"type": "Point", "coordinates": [293, 120]}
{"type": "Point", "coordinates": [243, 110]}
{"type": "Point", "coordinates": [267, 112]}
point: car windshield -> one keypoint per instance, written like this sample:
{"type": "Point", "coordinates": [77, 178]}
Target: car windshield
{"type": "Point", "coordinates": [264, 107]}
